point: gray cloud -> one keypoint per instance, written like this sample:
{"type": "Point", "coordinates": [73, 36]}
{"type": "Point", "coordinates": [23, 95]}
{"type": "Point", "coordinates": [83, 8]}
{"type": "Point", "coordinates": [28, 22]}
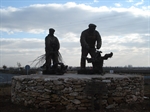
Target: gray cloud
{"type": "Point", "coordinates": [64, 17]}
{"type": "Point", "coordinates": [125, 31]}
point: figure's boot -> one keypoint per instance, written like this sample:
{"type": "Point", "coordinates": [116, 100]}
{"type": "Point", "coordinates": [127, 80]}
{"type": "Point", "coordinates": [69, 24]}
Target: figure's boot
{"type": "Point", "coordinates": [106, 56]}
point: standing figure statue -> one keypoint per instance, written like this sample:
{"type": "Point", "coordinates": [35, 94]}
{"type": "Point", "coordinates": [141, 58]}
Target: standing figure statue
{"type": "Point", "coordinates": [89, 39]}
{"type": "Point", "coordinates": [51, 48]}
{"type": "Point", "coordinates": [53, 62]}
{"type": "Point", "coordinates": [90, 42]}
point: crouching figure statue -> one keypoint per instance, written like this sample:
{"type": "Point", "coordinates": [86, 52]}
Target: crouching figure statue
{"type": "Point", "coordinates": [97, 62]}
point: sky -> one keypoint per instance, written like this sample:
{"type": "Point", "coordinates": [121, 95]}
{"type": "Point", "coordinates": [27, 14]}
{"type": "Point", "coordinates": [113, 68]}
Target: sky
{"type": "Point", "coordinates": [124, 26]}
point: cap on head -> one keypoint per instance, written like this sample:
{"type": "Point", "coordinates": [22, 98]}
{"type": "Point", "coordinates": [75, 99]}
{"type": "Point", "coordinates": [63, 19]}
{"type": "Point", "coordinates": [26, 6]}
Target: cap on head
{"type": "Point", "coordinates": [51, 29]}
{"type": "Point", "coordinates": [92, 25]}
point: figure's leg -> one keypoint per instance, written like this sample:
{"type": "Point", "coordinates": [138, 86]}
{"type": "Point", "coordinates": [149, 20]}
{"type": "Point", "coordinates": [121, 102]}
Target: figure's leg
{"type": "Point", "coordinates": [100, 65]}
{"type": "Point", "coordinates": [92, 53]}
{"type": "Point", "coordinates": [55, 58]}
{"type": "Point", "coordinates": [55, 62]}
{"type": "Point", "coordinates": [106, 56]}
{"type": "Point", "coordinates": [84, 54]}
{"type": "Point", "coordinates": [48, 61]}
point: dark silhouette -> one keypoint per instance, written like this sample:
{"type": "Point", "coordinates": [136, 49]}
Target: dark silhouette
{"type": "Point", "coordinates": [90, 42]}
{"type": "Point", "coordinates": [51, 48]}
{"type": "Point", "coordinates": [89, 38]}
{"type": "Point", "coordinates": [53, 58]}
{"type": "Point", "coordinates": [98, 61]}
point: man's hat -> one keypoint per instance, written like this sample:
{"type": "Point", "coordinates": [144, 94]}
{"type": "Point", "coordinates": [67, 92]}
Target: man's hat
{"type": "Point", "coordinates": [92, 25]}
{"type": "Point", "coordinates": [51, 29]}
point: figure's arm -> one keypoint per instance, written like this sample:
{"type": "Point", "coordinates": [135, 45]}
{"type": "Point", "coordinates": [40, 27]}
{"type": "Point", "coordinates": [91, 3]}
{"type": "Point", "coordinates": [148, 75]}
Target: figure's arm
{"type": "Point", "coordinates": [83, 41]}
{"type": "Point", "coordinates": [45, 44]}
{"type": "Point", "coordinates": [58, 45]}
{"type": "Point", "coordinates": [99, 41]}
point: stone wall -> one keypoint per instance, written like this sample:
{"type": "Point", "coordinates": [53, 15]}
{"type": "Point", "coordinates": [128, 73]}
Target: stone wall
{"type": "Point", "coordinates": [73, 91]}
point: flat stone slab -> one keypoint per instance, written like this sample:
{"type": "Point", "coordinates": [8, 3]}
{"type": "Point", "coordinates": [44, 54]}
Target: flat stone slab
{"type": "Point", "coordinates": [71, 75]}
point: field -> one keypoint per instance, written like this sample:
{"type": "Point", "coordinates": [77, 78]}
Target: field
{"type": "Point", "coordinates": [7, 106]}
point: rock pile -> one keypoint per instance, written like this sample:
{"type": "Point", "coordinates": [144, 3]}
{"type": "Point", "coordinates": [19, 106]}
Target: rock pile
{"type": "Point", "coordinates": [71, 93]}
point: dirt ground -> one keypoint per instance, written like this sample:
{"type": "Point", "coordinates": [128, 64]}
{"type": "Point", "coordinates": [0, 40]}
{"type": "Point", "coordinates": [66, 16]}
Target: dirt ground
{"type": "Point", "coordinates": [7, 106]}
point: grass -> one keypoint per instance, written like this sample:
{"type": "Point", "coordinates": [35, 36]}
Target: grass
{"type": "Point", "coordinates": [5, 89]}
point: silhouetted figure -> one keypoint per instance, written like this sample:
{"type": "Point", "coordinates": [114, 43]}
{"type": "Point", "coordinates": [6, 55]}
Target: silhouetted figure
{"type": "Point", "coordinates": [90, 42]}
{"type": "Point", "coordinates": [89, 39]}
{"type": "Point", "coordinates": [98, 61]}
{"type": "Point", "coordinates": [51, 48]}
{"type": "Point", "coordinates": [52, 59]}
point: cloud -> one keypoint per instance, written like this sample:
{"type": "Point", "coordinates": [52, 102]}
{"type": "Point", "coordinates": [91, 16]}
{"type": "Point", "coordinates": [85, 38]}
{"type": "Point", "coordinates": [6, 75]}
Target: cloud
{"type": "Point", "coordinates": [124, 48]}
{"type": "Point", "coordinates": [129, 0]}
{"type": "Point", "coordinates": [96, 0]}
{"type": "Point", "coordinates": [124, 31]}
{"type": "Point", "coordinates": [139, 3]}
{"type": "Point", "coordinates": [117, 4]}
{"type": "Point", "coordinates": [70, 37]}
{"type": "Point", "coordinates": [38, 18]}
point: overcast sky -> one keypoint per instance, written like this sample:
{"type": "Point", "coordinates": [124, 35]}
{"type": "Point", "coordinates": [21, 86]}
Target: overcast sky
{"type": "Point", "coordinates": [123, 25]}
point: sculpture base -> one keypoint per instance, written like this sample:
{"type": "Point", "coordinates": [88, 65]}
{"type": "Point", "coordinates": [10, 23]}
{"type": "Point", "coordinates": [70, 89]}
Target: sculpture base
{"type": "Point", "coordinates": [45, 72]}
{"type": "Point", "coordinates": [77, 92]}
{"type": "Point", "coordinates": [89, 71]}
{"type": "Point", "coordinates": [58, 69]}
